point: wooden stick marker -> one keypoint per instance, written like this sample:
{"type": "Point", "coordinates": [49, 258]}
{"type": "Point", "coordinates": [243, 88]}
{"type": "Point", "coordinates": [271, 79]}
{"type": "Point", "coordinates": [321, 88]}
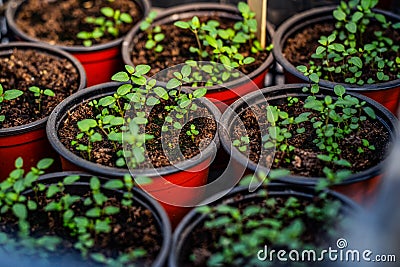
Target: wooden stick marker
{"type": "Point", "coordinates": [260, 8]}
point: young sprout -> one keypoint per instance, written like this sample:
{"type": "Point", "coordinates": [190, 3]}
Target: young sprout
{"type": "Point", "coordinates": [154, 34]}
{"type": "Point", "coordinates": [242, 144]}
{"type": "Point", "coordinates": [192, 132]}
{"type": "Point", "coordinates": [87, 128]}
{"type": "Point", "coordinates": [39, 93]}
{"type": "Point", "coordinates": [108, 23]}
{"type": "Point", "coordinates": [346, 50]}
{"type": "Point", "coordinates": [7, 95]}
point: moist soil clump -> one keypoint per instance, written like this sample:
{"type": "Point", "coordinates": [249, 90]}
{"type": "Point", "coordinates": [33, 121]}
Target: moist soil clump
{"type": "Point", "coordinates": [21, 69]}
{"type": "Point", "coordinates": [58, 22]}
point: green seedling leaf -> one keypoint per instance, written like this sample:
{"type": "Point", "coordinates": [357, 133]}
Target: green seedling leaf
{"type": "Point", "coordinates": [45, 163]}
{"type": "Point", "coordinates": [12, 94]}
{"type": "Point", "coordinates": [86, 124]}
{"type": "Point", "coordinates": [114, 184]}
{"type": "Point", "coordinates": [20, 211]}
{"type": "Point", "coordinates": [370, 112]}
{"type": "Point", "coordinates": [182, 24]}
{"type": "Point", "coordinates": [198, 93]}
{"type": "Point", "coordinates": [120, 77]}
{"type": "Point", "coordinates": [173, 83]}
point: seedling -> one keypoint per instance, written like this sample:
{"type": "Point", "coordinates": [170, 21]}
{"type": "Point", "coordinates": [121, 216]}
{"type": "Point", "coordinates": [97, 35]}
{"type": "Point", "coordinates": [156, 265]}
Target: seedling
{"type": "Point", "coordinates": [81, 226]}
{"type": "Point", "coordinates": [284, 222]}
{"type": "Point", "coordinates": [39, 94]}
{"type": "Point", "coordinates": [154, 34]}
{"type": "Point", "coordinates": [108, 23]}
{"type": "Point", "coordinates": [242, 144]}
{"type": "Point", "coordinates": [87, 128]}
{"type": "Point", "coordinates": [120, 118]}
{"type": "Point", "coordinates": [192, 132]}
{"type": "Point", "coordinates": [213, 43]}
{"type": "Point", "coordinates": [7, 95]}
{"type": "Point", "coordinates": [344, 52]}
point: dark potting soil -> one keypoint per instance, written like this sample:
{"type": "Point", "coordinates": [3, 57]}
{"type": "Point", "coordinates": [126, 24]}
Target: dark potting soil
{"type": "Point", "coordinates": [24, 68]}
{"type": "Point", "coordinates": [132, 228]}
{"type": "Point", "coordinates": [319, 233]}
{"type": "Point", "coordinates": [105, 152]}
{"type": "Point", "coordinates": [58, 22]}
{"type": "Point", "coordinates": [176, 48]}
{"type": "Point", "coordinates": [303, 160]}
{"type": "Point", "coordinates": [299, 48]}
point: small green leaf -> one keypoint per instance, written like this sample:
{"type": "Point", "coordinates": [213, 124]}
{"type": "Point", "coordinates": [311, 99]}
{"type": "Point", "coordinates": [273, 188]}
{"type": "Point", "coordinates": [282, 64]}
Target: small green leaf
{"type": "Point", "coordinates": [110, 210]}
{"type": "Point", "coordinates": [86, 124]}
{"type": "Point", "coordinates": [19, 163]}
{"type": "Point", "coordinates": [20, 211]}
{"type": "Point", "coordinates": [45, 163]}
{"type": "Point", "coordinates": [339, 15]}
{"type": "Point", "coordinates": [95, 183]}
{"type": "Point", "coordinates": [314, 78]}
{"type": "Point", "coordinates": [173, 83]}
{"type": "Point", "coordinates": [114, 184]}
{"type": "Point", "coordinates": [142, 69]}
{"type": "Point", "coordinates": [107, 11]}
{"type": "Point", "coordinates": [12, 94]}
{"type": "Point", "coordinates": [182, 24]}
{"type": "Point", "coordinates": [339, 90]}
{"type": "Point", "coordinates": [200, 92]}
{"type": "Point", "coordinates": [351, 27]}
{"type": "Point", "coordinates": [94, 212]}
{"type": "Point", "coordinates": [71, 179]}
{"type": "Point", "coordinates": [106, 101]}
{"type": "Point", "coordinates": [370, 112]}
{"type": "Point", "coordinates": [120, 77]}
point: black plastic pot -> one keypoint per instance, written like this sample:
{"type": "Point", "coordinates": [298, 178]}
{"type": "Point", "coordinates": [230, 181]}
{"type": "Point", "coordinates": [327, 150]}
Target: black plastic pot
{"type": "Point", "coordinates": [227, 92]}
{"type": "Point", "coordinates": [29, 141]}
{"type": "Point", "coordinates": [100, 61]}
{"type": "Point", "coordinates": [194, 219]}
{"type": "Point", "coordinates": [82, 187]}
{"type": "Point", "coordinates": [386, 93]}
{"type": "Point", "coordinates": [189, 173]}
{"type": "Point", "coordinates": [361, 186]}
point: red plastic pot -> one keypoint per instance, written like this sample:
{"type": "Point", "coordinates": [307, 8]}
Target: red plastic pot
{"type": "Point", "coordinates": [29, 141]}
{"type": "Point", "coordinates": [386, 93]}
{"type": "Point", "coordinates": [181, 246]}
{"type": "Point", "coordinates": [81, 188]}
{"type": "Point", "coordinates": [100, 61]}
{"type": "Point", "coordinates": [227, 92]}
{"type": "Point", "coordinates": [188, 174]}
{"type": "Point", "coordinates": [361, 187]}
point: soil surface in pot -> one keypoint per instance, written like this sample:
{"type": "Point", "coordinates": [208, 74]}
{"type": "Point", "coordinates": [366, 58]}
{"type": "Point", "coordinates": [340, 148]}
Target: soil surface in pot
{"type": "Point", "coordinates": [23, 68]}
{"type": "Point", "coordinates": [299, 48]}
{"type": "Point", "coordinates": [303, 160]}
{"type": "Point", "coordinates": [105, 152]}
{"type": "Point", "coordinates": [58, 22]}
{"type": "Point", "coordinates": [177, 43]}
{"type": "Point", "coordinates": [132, 228]}
{"type": "Point", "coordinates": [317, 232]}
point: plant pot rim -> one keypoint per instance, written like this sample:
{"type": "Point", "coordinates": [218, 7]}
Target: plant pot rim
{"type": "Point", "coordinates": [158, 212]}
{"type": "Point", "coordinates": [386, 118]}
{"type": "Point", "coordinates": [309, 17]}
{"type": "Point", "coordinates": [13, 5]}
{"type": "Point", "coordinates": [172, 14]}
{"type": "Point", "coordinates": [54, 122]}
{"type": "Point", "coordinates": [51, 50]}
{"type": "Point", "coordinates": [189, 222]}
